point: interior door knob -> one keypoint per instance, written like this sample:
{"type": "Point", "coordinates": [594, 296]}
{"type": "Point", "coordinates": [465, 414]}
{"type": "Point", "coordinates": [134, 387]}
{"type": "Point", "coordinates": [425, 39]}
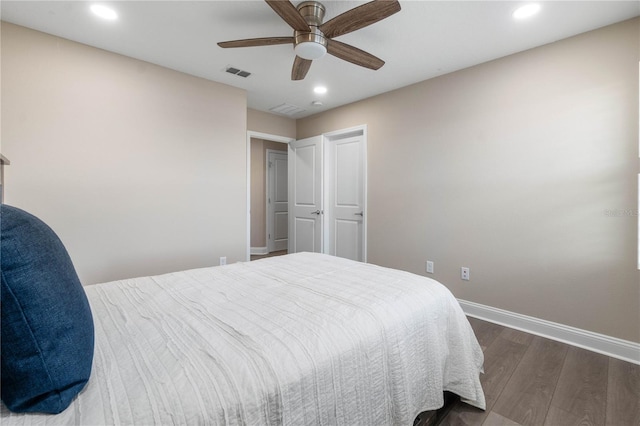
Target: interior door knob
{"type": "Point", "coordinates": [316, 212]}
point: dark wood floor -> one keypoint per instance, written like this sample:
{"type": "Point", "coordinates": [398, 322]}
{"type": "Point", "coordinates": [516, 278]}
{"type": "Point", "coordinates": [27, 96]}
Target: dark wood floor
{"type": "Point", "coordinates": [530, 380]}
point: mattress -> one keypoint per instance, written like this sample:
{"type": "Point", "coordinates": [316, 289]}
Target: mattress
{"type": "Point", "coordinates": [301, 339]}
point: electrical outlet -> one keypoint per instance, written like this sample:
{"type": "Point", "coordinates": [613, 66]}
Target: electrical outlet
{"type": "Point", "coordinates": [429, 266]}
{"type": "Point", "coordinates": [464, 273]}
{"type": "Point", "coordinates": [223, 260]}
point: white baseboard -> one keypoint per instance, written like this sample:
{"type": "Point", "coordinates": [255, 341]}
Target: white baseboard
{"type": "Point", "coordinates": [600, 343]}
{"type": "Point", "coordinates": [259, 251]}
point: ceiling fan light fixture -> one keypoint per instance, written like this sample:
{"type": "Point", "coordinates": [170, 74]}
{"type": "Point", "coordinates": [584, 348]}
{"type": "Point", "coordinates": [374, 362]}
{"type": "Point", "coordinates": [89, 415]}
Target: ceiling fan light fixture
{"type": "Point", "coordinates": [310, 50]}
{"type": "Point", "coordinates": [310, 45]}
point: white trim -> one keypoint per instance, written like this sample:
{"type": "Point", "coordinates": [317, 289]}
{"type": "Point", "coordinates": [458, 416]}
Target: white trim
{"type": "Point", "coordinates": [600, 343]}
{"type": "Point", "coordinates": [268, 137]}
{"type": "Point", "coordinates": [259, 251]}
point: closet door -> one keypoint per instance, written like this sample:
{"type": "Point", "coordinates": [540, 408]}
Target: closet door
{"type": "Point", "coordinates": [305, 195]}
{"type": "Point", "coordinates": [327, 194]}
{"type": "Point", "coordinates": [345, 191]}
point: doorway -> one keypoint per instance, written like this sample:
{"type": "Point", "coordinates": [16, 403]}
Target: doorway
{"type": "Point", "coordinates": [277, 204]}
{"type": "Point", "coordinates": [257, 146]}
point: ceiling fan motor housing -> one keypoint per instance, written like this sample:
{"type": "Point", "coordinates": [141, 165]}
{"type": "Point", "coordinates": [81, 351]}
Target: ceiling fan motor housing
{"type": "Point", "coordinates": [312, 12]}
{"type": "Point", "coordinates": [310, 44]}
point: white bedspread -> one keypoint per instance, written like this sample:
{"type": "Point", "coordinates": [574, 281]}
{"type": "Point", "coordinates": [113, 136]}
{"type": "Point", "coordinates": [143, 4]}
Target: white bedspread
{"type": "Point", "coordinates": [303, 339]}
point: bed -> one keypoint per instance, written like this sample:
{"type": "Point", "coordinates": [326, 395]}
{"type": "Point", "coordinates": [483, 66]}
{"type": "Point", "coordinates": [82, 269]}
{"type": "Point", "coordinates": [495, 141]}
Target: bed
{"type": "Point", "coordinates": [301, 339]}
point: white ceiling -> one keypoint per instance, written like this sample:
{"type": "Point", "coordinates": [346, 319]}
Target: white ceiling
{"type": "Point", "coordinates": [425, 39]}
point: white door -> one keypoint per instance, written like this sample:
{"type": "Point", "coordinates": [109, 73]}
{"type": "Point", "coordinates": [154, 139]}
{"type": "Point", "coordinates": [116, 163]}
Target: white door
{"type": "Point", "coordinates": [345, 192]}
{"type": "Point", "coordinates": [277, 201]}
{"type": "Point", "coordinates": [305, 195]}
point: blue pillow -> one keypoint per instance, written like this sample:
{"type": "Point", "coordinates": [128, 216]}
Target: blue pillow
{"type": "Point", "coordinates": [47, 327]}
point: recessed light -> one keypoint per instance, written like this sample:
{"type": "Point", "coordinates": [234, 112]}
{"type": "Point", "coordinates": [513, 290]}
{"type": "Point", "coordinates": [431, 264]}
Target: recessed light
{"type": "Point", "coordinates": [320, 90]}
{"type": "Point", "coordinates": [104, 12]}
{"type": "Point", "coordinates": [526, 11]}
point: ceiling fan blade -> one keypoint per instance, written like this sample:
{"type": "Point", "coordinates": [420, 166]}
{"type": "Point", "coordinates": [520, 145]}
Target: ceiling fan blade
{"type": "Point", "coordinates": [359, 17]}
{"type": "Point", "coordinates": [289, 13]}
{"type": "Point", "coordinates": [250, 42]}
{"type": "Point", "coordinates": [354, 55]}
{"type": "Point", "coordinates": [300, 68]}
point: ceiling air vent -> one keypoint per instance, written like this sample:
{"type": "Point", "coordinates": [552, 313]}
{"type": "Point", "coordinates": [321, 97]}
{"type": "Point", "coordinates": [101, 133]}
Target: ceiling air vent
{"type": "Point", "coordinates": [238, 72]}
{"type": "Point", "coordinates": [287, 109]}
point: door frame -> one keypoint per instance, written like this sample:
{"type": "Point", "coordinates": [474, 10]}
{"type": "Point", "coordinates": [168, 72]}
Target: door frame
{"type": "Point", "coordinates": [268, 137]}
{"type": "Point", "coordinates": [337, 135]}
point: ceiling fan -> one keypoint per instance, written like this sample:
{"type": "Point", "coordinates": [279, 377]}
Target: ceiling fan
{"type": "Point", "coordinates": [312, 38]}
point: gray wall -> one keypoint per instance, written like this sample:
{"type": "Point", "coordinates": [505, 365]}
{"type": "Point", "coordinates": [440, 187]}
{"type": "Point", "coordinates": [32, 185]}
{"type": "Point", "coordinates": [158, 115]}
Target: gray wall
{"type": "Point", "coordinates": [139, 169]}
{"type": "Point", "coordinates": [512, 168]}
